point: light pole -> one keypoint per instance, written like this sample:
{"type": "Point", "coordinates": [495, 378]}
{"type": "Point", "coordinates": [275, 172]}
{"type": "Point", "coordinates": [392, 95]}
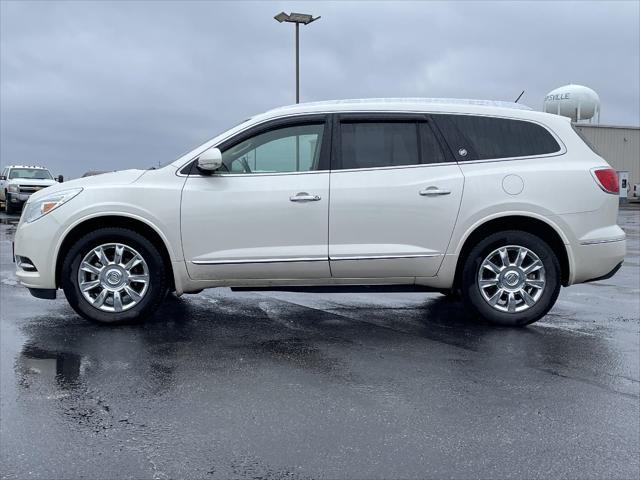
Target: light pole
{"type": "Point", "coordinates": [296, 18]}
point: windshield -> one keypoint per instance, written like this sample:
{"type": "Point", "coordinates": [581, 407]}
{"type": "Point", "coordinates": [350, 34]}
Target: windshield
{"type": "Point", "coordinates": [30, 173]}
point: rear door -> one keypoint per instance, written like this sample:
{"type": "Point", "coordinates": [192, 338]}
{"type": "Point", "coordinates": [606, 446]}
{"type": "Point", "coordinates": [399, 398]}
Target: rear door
{"type": "Point", "coordinates": [395, 195]}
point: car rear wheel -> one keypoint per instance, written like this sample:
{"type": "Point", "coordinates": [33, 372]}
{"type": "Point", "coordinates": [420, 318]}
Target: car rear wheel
{"type": "Point", "coordinates": [114, 275]}
{"type": "Point", "coordinates": [511, 278]}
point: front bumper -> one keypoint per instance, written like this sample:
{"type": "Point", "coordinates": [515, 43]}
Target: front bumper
{"type": "Point", "coordinates": [17, 199]}
{"type": "Point", "coordinates": [20, 197]}
{"type": "Point", "coordinates": [37, 241]}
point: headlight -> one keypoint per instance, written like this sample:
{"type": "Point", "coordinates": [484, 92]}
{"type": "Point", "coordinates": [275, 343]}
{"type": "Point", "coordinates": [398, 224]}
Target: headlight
{"type": "Point", "coordinates": [13, 188]}
{"type": "Point", "coordinates": [38, 208]}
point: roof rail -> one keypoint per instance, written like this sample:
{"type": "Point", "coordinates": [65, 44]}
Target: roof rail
{"type": "Point", "coordinates": [421, 100]}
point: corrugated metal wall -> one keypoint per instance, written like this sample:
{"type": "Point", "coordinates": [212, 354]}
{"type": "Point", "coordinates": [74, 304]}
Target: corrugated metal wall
{"type": "Point", "coordinates": [620, 146]}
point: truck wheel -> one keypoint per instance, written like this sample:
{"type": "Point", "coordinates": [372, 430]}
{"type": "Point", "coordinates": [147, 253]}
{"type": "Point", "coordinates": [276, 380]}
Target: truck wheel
{"type": "Point", "coordinates": [8, 208]}
{"type": "Point", "coordinates": [114, 275]}
{"type": "Point", "coordinates": [511, 278]}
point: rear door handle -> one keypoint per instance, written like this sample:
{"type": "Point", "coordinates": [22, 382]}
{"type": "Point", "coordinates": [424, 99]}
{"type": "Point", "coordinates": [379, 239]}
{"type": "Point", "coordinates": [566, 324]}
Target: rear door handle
{"type": "Point", "coordinates": [433, 191]}
{"type": "Point", "coordinates": [304, 197]}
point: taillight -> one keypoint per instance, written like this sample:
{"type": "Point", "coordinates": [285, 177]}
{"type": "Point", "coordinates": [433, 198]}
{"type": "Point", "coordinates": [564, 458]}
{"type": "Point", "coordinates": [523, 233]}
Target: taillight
{"type": "Point", "coordinates": [607, 179]}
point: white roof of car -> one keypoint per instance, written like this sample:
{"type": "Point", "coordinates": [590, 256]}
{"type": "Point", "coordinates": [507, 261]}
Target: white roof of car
{"type": "Point", "coordinates": [427, 105]}
{"type": "Point", "coordinates": [417, 103]}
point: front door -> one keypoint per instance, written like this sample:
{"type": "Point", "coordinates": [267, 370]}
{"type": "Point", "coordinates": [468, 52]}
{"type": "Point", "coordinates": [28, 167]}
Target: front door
{"type": "Point", "coordinates": [265, 214]}
{"type": "Point", "coordinates": [395, 196]}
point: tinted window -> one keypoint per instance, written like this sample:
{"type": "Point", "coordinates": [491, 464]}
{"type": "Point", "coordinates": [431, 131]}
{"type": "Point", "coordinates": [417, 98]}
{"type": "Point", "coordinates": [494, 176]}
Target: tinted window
{"type": "Point", "coordinates": [488, 137]}
{"type": "Point", "coordinates": [430, 146]}
{"type": "Point", "coordinates": [287, 149]}
{"type": "Point", "coordinates": [378, 144]}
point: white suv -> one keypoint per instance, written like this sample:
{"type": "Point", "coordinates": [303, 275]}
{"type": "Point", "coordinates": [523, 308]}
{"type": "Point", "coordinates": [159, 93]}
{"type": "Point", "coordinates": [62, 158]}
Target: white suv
{"type": "Point", "coordinates": [494, 201]}
{"type": "Point", "coordinates": [18, 182]}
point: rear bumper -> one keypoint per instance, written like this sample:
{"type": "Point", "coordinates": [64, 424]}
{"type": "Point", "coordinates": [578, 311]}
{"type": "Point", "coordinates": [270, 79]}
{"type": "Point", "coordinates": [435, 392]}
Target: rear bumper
{"type": "Point", "coordinates": [597, 261]}
{"type": "Point", "coordinates": [607, 275]}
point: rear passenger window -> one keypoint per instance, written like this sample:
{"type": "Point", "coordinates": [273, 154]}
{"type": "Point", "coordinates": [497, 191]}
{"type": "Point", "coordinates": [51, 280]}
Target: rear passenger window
{"type": "Point", "coordinates": [378, 144]}
{"type": "Point", "coordinates": [488, 137]}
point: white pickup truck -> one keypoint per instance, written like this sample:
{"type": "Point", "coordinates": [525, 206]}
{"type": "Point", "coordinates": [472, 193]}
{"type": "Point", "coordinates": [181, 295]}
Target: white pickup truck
{"type": "Point", "coordinates": [18, 182]}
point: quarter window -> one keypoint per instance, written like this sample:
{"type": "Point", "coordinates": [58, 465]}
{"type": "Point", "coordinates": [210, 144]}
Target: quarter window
{"type": "Point", "coordinates": [378, 144]}
{"type": "Point", "coordinates": [287, 149]}
{"type": "Point", "coordinates": [482, 138]}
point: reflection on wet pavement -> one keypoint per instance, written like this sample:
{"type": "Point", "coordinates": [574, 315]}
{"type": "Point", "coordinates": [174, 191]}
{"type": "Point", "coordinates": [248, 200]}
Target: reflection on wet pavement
{"type": "Point", "coordinates": [9, 220]}
{"type": "Point", "coordinates": [35, 362]}
{"type": "Point", "coordinates": [284, 385]}
{"type": "Point", "coordinates": [9, 223]}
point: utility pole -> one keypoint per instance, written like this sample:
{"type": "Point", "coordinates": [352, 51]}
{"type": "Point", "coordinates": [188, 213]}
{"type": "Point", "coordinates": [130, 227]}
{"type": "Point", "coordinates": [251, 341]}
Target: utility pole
{"type": "Point", "coordinates": [297, 18]}
{"type": "Point", "coordinates": [297, 63]}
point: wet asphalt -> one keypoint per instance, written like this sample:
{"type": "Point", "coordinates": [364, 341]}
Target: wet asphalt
{"type": "Point", "coordinates": [284, 385]}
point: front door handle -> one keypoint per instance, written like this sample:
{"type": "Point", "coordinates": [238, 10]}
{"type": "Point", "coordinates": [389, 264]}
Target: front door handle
{"type": "Point", "coordinates": [433, 191]}
{"type": "Point", "coordinates": [304, 197]}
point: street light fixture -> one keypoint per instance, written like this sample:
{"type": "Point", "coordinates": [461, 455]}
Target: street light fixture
{"type": "Point", "coordinates": [296, 18]}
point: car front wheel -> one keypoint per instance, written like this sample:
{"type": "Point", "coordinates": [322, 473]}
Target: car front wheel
{"type": "Point", "coordinates": [511, 278]}
{"type": "Point", "coordinates": [114, 275]}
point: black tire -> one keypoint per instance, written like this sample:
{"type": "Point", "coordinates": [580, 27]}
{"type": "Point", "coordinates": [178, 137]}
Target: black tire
{"type": "Point", "coordinates": [471, 294]}
{"type": "Point", "coordinates": [158, 280]}
{"type": "Point", "coordinates": [8, 208]}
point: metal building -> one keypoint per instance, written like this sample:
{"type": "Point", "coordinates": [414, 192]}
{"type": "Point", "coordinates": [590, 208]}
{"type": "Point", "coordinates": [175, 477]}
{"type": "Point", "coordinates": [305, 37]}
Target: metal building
{"type": "Point", "coordinates": [618, 145]}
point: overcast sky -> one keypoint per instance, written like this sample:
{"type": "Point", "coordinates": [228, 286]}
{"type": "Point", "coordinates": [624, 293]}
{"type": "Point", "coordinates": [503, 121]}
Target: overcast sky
{"type": "Point", "coordinates": [112, 85]}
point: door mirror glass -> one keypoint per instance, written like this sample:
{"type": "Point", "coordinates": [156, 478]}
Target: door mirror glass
{"type": "Point", "coordinates": [60, 179]}
{"type": "Point", "coordinates": [2, 177]}
{"type": "Point", "coordinates": [210, 160]}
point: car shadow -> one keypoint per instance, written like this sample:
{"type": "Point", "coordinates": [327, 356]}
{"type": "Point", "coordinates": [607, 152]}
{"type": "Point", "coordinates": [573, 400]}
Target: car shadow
{"type": "Point", "coordinates": [219, 333]}
{"type": "Point", "coordinates": [215, 333]}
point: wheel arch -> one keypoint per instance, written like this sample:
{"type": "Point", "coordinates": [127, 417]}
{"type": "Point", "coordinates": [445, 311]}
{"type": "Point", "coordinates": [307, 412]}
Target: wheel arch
{"type": "Point", "coordinates": [114, 220]}
{"type": "Point", "coordinates": [533, 225]}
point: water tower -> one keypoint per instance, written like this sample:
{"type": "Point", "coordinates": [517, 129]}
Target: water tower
{"type": "Point", "coordinates": [574, 101]}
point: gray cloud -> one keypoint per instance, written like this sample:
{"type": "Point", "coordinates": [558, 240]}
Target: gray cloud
{"type": "Point", "coordinates": [111, 85]}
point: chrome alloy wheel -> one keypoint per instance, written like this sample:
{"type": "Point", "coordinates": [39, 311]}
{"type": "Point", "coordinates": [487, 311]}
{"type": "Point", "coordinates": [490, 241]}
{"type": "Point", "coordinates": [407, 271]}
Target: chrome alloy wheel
{"type": "Point", "coordinates": [113, 277]}
{"type": "Point", "coordinates": [511, 279]}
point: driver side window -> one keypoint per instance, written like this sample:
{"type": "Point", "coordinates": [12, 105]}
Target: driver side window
{"type": "Point", "coordinates": [287, 149]}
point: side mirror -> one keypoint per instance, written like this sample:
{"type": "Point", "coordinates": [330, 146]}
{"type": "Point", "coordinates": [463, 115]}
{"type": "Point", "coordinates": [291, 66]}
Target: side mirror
{"type": "Point", "coordinates": [2, 177]}
{"type": "Point", "coordinates": [60, 179]}
{"type": "Point", "coordinates": [210, 160]}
